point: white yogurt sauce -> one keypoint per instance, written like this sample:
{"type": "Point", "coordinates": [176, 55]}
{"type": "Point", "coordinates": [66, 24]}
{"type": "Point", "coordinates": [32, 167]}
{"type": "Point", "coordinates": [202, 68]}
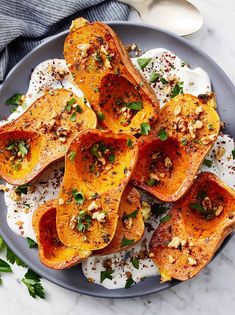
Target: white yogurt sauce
{"type": "Point", "coordinates": [19, 216]}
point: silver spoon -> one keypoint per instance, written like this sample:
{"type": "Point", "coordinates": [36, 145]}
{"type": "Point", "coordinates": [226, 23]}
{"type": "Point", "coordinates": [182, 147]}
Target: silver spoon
{"type": "Point", "coordinates": [178, 16]}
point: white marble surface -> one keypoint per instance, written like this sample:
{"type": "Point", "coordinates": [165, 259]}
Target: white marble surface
{"type": "Point", "coordinates": [213, 291]}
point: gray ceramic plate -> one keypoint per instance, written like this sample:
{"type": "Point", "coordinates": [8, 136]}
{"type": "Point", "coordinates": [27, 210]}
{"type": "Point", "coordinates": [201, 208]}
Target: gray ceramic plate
{"type": "Point", "coordinates": [145, 37]}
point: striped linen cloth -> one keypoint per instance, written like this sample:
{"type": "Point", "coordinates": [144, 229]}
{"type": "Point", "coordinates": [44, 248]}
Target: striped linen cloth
{"type": "Point", "coordinates": [26, 23]}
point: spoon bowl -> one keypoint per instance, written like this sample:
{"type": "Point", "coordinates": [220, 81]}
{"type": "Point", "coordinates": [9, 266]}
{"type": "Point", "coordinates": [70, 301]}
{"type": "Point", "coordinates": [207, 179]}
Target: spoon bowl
{"type": "Point", "coordinates": [178, 16]}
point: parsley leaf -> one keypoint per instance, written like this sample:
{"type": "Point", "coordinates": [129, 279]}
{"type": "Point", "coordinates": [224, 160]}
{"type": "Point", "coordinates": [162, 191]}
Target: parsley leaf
{"type": "Point", "coordinates": [145, 128]}
{"type": "Point", "coordinates": [31, 243]}
{"type": "Point", "coordinates": [22, 148]}
{"type": "Point", "coordinates": [12, 258]}
{"type": "Point", "coordinates": [162, 134]}
{"type": "Point", "coordinates": [208, 163]}
{"type": "Point", "coordinates": [22, 189]}
{"type": "Point", "coordinates": [100, 116]}
{"type": "Point", "coordinates": [107, 274]}
{"type": "Point", "coordinates": [129, 283]}
{"type": "Point", "coordinates": [134, 105]}
{"type": "Point", "coordinates": [130, 215]}
{"type": "Point", "coordinates": [2, 244]}
{"type": "Point", "coordinates": [78, 196]}
{"type": "Point", "coordinates": [72, 155]}
{"type": "Point", "coordinates": [73, 117]}
{"type": "Point", "coordinates": [233, 153]}
{"type": "Point", "coordinates": [4, 266]}
{"type": "Point", "coordinates": [84, 221]}
{"type": "Point", "coordinates": [143, 62]}
{"type": "Point", "coordinates": [135, 262]}
{"type": "Point", "coordinates": [14, 99]}
{"type": "Point", "coordinates": [184, 141]}
{"type": "Point", "coordinates": [163, 80]}
{"type": "Point", "coordinates": [177, 89]}
{"type": "Point", "coordinates": [154, 77]}
{"type": "Point", "coordinates": [166, 218]}
{"type": "Point", "coordinates": [111, 158]}
{"type": "Point", "coordinates": [129, 143]}
{"type": "Point", "coordinates": [126, 242]}
{"type": "Point", "coordinates": [32, 281]}
{"type": "Point", "coordinates": [151, 182]}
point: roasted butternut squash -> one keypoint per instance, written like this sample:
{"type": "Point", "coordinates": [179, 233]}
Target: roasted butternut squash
{"type": "Point", "coordinates": [52, 252]}
{"type": "Point", "coordinates": [170, 157]}
{"type": "Point", "coordinates": [101, 66]}
{"type": "Point", "coordinates": [98, 166]}
{"type": "Point", "coordinates": [130, 227]}
{"type": "Point", "coordinates": [41, 135]}
{"type": "Point", "coordinates": [198, 223]}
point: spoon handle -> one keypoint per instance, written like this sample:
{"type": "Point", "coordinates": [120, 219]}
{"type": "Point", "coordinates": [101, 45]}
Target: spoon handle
{"type": "Point", "coordinates": [142, 6]}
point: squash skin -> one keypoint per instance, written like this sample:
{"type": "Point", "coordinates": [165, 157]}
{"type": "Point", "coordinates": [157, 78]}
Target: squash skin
{"type": "Point", "coordinates": [104, 85]}
{"type": "Point", "coordinates": [108, 188]}
{"type": "Point", "coordinates": [130, 201]}
{"type": "Point", "coordinates": [46, 145]}
{"type": "Point", "coordinates": [205, 236]}
{"type": "Point", "coordinates": [53, 254]}
{"type": "Point", "coordinates": [186, 158]}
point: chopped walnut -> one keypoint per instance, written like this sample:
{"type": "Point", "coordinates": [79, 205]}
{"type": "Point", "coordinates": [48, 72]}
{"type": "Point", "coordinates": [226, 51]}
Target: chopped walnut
{"type": "Point", "coordinates": [219, 210]}
{"type": "Point", "coordinates": [198, 110]}
{"type": "Point", "coordinates": [168, 163]}
{"type": "Point", "coordinates": [175, 242]}
{"type": "Point", "coordinates": [154, 176]}
{"type": "Point", "coordinates": [83, 49]}
{"type": "Point", "coordinates": [177, 110]}
{"type": "Point", "coordinates": [209, 139]}
{"type": "Point", "coordinates": [146, 210]}
{"type": "Point", "coordinates": [171, 259]}
{"type": "Point", "coordinates": [128, 223]}
{"type": "Point", "coordinates": [93, 206]}
{"type": "Point", "coordinates": [151, 255]}
{"type": "Point", "coordinates": [191, 261]}
{"type": "Point", "coordinates": [99, 216]}
{"type": "Point", "coordinates": [61, 201]}
{"type": "Point", "coordinates": [73, 222]}
{"type": "Point", "coordinates": [198, 124]}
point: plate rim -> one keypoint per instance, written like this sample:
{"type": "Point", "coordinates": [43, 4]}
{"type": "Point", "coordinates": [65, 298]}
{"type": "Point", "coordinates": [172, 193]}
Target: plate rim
{"type": "Point", "coordinates": [11, 244]}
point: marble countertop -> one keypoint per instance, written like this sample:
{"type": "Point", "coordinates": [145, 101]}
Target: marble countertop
{"type": "Point", "coordinates": [213, 291]}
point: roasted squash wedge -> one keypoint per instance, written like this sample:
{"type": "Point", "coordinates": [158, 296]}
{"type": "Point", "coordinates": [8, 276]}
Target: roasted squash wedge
{"type": "Point", "coordinates": [98, 166]}
{"type": "Point", "coordinates": [199, 222]}
{"type": "Point", "coordinates": [52, 252]}
{"type": "Point", "coordinates": [130, 227]}
{"type": "Point", "coordinates": [170, 157]}
{"type": "Point", "coordinates": [42, 135]}
{"type": "Point", "coordinates": [101, 66]}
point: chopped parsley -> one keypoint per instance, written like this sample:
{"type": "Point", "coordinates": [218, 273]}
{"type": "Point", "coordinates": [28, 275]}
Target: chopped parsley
{"type": "Point", "coordinates": [22, 189]}
{"type": "Point", "coordinates": [184, 141]}
{"type": "Point", "coordinates": [134, 105]}
{"type": "Point", "coordinates": [72, 155]}
{"type": "Point", "coordinates": [233, 153]}
{"type": "Point", "coordinates": [177, 89]}
{"type": "Point", "coordinates": [100, 116]}
{"type": "Point", "coordinates": [71, 101]}
{"type": "Point", "coordinates": [130, 215]}
{"type": "Point", "coordinates": [14, 99]}
{"type": "Point", "coordinates": [166, 218]}
{"type": "Point", "coordinates": [84, 221]}
{"type": "Point", "coordinates": [31, 243]}
{"type": "Point", "coordinates": [12, 258]}
{"type": "Point", "coordinates": [143, 62]}
{"type": "Point", "coordinates": [145, 128]}
{"type": "Point", "coordinates": [163, 80]}
{"type": "Point", "coordinates": [94, 150]}
{"type": "Point", "coordinates": [208, 163]}
{"type": "Point", "coordinates": [73, 117]}
{"type": "Point", "coordinates": [151, 182]}
{"type": "Point", "coordinates": [78, 109]}
{"type": "Point", "coordinates": [154, 77]}
{"type": "Point", "coordinates": [107, 274]}
{"type": "Point", "coordinates": [162, 134]}
{"type": "Point", "coordinates": [129, 143]}
{"type": "Point", "coordinates": [4, 266]}
{"type": "Point", "coordinates": [111, 158]}
{"type": "Point", "coordinates": [78, 196]}
{"type": "Point", "coordinates": [135, 262]}
{"type": "Point", "coordinates": [33, 283]}
{"type": "Point", "coordinates": [126, 242]}
{"type": "Point", "coordinates": [129, 283]}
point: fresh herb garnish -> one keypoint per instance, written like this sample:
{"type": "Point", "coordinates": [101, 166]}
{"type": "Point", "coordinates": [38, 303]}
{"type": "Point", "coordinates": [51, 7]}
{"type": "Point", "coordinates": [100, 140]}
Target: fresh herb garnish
{"type": "Point", "coordinates": [184, 141]}
{"type": "Point", "coordinates": [129, 143]}
{"type": "Point", "coordinates": [100, 116]}
{"type": "Point", "coordinates": [126, 242]}
{"type": "Point", "coordinates": [22, 189]}
{"type": "Point", "coordinates": [151, 182]}
{"type": "Point", "coordinates": [33, 283]}
{"type": "Point", "coordinates": [107, 274]}
{"type": "Point", "coordinates": [84, 221]}
{"type": "Point", "coordinates": [73, 117]}
{"type": "Point", "coordinates": [130, 215]}
{"type": "Point", "coordinates": [233, 154]}
{"type": "Point", "coordinates": [31, 243]}
{"type": "Point", "coordinates": [71, 101]}
{"type": "Point", "coordinates": [154, 77]}
{"type": "Point", "coordinates": [134, 105]}
{"type": "Point", "coordinates": [78, 109]}
{"type": "Point", "coordinates": [78, 196]}
{"type": "Point", "coordinates": [12, 258]}
{"type": "Point", "coordinates": [111, 158]}
{"type": "Point", "coordinates": [4, 266]}
{"type": "Point", "coordinates": [162, 134]}
{"type": "Point", "coordinates": [14, 99]}
{"type": "Point", "coordinates": [208, 163]}
{"type": "Point", "coordinates": [163, 80]}
{"type": "Point", "coordinates": [145, 128]}
{"type": "Point", "coordinates": [143, 62]}
{"type": "Point", "coordinates": [22, 148]}
{"type": "Point", "coordinates": [72, 155]}
{"type": "Point", "coordinates": [129, 283]}
{"type": "Point", "coordinates": [94, 150]}
{"type": "Point", "coordinates": [177, 89]}
{"type": "Point", "coordinates": [99, 59]}
{"type": "Point", "coordinates": [135, 262]}
{"type": "Point", "coordinates": [166, 218]}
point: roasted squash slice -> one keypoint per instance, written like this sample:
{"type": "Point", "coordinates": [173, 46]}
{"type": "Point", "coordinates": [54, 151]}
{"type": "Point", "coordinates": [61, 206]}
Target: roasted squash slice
{"type": "Point", "coordinates": [42, 135]}
{"type": "Point", "coordinates": [98, 166]}
{"type": "Point", "coordinates": [101, 66]}
{"type": "Point", "coordinates": [199, 222]}
{"type": "Point", "coordinates": [52, 252]}
{"type": "Point", "coordinates": [170, 157]}
{"type": "Point", "coordinates": [130, 227]}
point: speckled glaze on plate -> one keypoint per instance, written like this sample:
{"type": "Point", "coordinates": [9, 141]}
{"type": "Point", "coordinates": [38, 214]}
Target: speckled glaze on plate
{"type": "Point", "coordinates": [146, 37]}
